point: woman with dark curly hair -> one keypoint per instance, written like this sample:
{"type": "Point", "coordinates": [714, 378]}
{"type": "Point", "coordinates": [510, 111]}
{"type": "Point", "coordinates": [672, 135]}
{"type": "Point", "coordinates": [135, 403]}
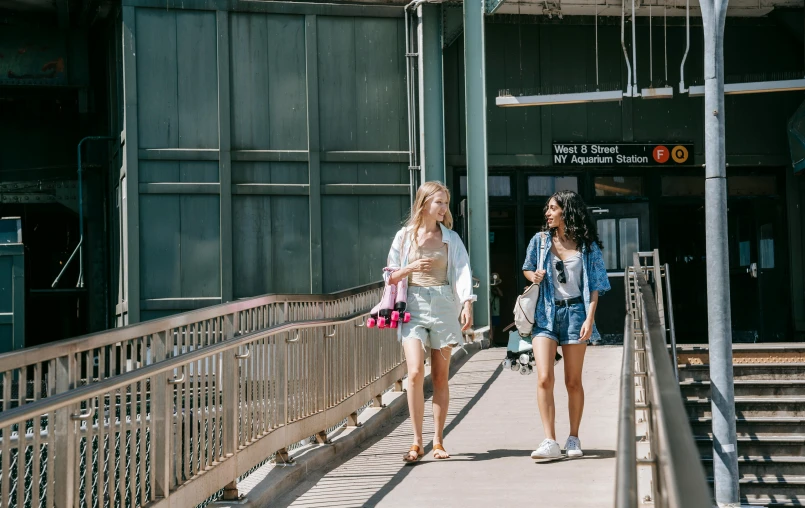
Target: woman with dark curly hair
{"type": "Point", "coordinates": [565, 313]}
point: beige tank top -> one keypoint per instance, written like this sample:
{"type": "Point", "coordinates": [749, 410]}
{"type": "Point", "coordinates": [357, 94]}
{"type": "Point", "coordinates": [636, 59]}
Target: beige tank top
{"type": "Point", "coordinates": [438, 274]}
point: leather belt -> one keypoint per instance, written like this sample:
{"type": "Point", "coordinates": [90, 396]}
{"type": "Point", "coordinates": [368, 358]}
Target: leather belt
{"type": "Point", "coordinates": [567, 303]}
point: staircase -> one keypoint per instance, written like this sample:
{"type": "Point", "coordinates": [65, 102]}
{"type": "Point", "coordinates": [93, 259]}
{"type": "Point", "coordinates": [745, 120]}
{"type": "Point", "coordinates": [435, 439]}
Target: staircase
{"type": "Point", "coordinates": [770, 412]}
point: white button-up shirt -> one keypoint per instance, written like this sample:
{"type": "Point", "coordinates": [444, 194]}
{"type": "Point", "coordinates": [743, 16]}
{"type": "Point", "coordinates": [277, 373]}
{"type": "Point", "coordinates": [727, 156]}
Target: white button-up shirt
{"type": "Point", "coordinates": [459, 274]}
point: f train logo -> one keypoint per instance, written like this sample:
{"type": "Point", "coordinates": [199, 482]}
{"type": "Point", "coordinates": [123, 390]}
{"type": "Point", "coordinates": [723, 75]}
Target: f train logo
{"type": "Point", "coordinates": [679, 153]}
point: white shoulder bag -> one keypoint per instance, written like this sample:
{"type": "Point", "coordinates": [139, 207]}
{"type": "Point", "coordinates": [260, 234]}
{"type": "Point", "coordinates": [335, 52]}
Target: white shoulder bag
{"type": "Point", "coordinates": [526, 305]}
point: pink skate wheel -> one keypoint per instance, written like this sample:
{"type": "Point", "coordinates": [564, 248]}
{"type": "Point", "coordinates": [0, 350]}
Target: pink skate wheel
{"type": "Point", "coordinates": [371, 322]}
{"type": "Point", "coordinates": [407, 317]}
{"type": "Point", "coordinates": [381, 323]}
{"type": "Point", "coordinates": [393, 324]}
{"type": "Point", "coordinates": [395, 316]}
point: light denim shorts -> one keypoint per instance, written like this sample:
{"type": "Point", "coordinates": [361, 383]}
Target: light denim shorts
{"type": "Point", "coordinates": [434, 318]}
{"type": "Point", "coordinates": [567, 323]}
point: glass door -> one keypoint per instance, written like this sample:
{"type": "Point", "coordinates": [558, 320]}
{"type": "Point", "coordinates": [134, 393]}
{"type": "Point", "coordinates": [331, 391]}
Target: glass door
{"type": "Point", "coordinates": [744, 287]}
{"type": "Point", "coordinates": [624, 230]}
{"type": "Point", "coordinates": [758, 273]}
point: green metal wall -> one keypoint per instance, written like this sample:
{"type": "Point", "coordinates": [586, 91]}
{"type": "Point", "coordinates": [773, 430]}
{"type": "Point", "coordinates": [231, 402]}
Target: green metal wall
{"type": "Point", "coordinates": [559, 55]}
{"type": "Point", "coordinates": [12, 297]}
{"type": "Point", "coordinates": [266, 151]}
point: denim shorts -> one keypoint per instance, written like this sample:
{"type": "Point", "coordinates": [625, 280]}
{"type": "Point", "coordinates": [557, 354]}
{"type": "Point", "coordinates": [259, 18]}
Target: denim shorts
{"type": "Point", "coordinates": [567, 323]}
{"type": "Point", "coordinates": [434, 317]}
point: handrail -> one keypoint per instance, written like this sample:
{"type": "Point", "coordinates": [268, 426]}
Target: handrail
{"type": "Point", "coordinates": [682, 482]}
{"type": "Point", "coordinates": [58, 401]}
{"type": "Point", "coordinates": [42, 371]}
{"type": "Point", "coordinates": [626, 467]}
{"type": "Point", "coordinates": [677, 476]}
{"type": "Point", "coordinates": [17, 358]}
{"type": "Point", "coordinates": [189, 425]}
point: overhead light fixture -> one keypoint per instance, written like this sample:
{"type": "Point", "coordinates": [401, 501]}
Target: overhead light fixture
{"type": "Point", "coordinates": [786, 85]}
{"type": "Point", "coordinates": [658, 93]}
{"type": "Point", "coordinates": [508, 101]}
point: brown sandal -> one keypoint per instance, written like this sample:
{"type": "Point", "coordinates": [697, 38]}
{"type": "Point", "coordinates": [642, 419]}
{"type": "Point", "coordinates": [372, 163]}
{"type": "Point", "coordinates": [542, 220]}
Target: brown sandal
{"type": "Point", "coordinates": [419, 454]}
{"type": "Point", "coordinates": [440, 448]}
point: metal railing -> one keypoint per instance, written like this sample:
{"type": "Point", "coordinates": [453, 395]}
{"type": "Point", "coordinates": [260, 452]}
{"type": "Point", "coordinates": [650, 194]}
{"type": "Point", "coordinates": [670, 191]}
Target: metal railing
{"type": "Point", "coordinates": [84, 420]}
{"type": "Point", "coordinates": [663, 467]}
{"type": "Point", "coordinates": [176, 431]}
{"type": "Point", "coordinates": [38, 372]}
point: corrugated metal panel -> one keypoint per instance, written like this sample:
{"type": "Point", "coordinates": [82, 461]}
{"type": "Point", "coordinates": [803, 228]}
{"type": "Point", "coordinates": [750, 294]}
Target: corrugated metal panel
{"type": "Point", "coordinates": [182, 256]}
{"type": "Point", "coordinates": [268, 82]}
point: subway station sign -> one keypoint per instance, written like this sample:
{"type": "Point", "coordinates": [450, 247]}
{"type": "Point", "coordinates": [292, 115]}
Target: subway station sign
{"type": "Point", "coordinates": [622, 154]}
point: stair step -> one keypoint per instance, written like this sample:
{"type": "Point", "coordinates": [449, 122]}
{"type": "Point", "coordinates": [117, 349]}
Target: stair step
{"type": "Point", "coordinates": [746, 406]}
{"type": "Point", "coordinates": [763, 466]}
{"type": "Point", "coordinates": [773, 501]}
{"type": "Point", "coordinates": [771, 486]}
{"type": "Point", "coordinates": [775, 488]}
{"type": "Point", "coordinates": [740, 348]}
{"type": "Point", "coordinates": [747, 387]}
{"type": "Point", "coordinates": [766, 446]}
{"type": "Point", "coordinates": [756, 371]}
{"type": "Point", "coordinates": [755, 425]}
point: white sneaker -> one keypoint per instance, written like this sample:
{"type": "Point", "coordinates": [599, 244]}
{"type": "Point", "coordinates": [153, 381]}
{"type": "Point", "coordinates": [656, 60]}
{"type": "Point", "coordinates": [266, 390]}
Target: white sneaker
{"type": "Point", "coordinates": [573, 447]}
{"type": "Point", "coordinates": [548, 449]}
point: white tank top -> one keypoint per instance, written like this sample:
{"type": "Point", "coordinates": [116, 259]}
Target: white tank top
{"type": "Point", "coordinates": [571, 288]}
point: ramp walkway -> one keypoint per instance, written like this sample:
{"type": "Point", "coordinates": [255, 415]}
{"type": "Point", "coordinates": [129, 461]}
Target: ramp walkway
{"type": "Point", "coordinates": [492, 427]}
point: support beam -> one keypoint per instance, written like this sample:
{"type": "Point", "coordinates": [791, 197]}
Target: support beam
{"type": "Point", "coordinates": [719, 320]}
{"type": "Point", "coordinates": [493, 5]}
{"type": "Point", "coordinates": [225, 158]}
{"type": "Point", "coordinates": [431, 96]}
{"type": "Point", "coordinates": [130, 219]}
{"type": "Point", "coordinates": [314, 157]}
{"type": "Point", "coordinates": [477, 196]}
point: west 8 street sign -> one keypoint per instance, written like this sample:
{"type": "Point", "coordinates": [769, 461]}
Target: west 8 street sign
{"type": "Point", "coordinates": [622, 154]}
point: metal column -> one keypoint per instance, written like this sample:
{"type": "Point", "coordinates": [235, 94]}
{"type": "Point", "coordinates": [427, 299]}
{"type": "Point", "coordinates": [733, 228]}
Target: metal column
{"type": "Point", "coordinates": [431, 97]}
{"type": "Point", "coordinates": [725, 456]}
{"type": "Point", "coordinates": [477, 196]}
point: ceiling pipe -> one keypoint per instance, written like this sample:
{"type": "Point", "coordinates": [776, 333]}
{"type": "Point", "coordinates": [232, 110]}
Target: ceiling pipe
{"type": "Point", "coordinates": [651, 92]}
{"type": "Point", "coordinates": [634, 54]}
{"type": "Point", "coordinates": [625, 54]}
{"type": "Point", "coordinates": [682, 88]}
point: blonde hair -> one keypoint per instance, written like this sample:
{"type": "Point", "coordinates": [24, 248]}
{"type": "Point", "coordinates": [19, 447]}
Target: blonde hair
{"type": "Point", "coordinates": [424, 194]}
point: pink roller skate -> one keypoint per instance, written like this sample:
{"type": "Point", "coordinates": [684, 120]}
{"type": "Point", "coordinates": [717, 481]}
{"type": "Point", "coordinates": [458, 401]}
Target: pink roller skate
{"type": "Point", "coordinates": [380, 315]}
{"type": "Point", "coordinates": [401, 303]}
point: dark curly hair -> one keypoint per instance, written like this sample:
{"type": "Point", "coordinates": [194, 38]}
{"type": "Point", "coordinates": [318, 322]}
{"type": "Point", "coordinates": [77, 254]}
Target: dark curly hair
{"type": "Point", "coordinates": [579, 223]}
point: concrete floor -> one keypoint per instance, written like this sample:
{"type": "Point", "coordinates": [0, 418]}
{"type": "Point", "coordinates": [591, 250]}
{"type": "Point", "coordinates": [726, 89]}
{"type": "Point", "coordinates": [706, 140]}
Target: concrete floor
{"type": "Point", "coordinates": [492, 427]}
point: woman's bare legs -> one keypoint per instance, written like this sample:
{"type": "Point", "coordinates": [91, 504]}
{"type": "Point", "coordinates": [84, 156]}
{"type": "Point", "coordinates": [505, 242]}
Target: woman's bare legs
{"type": "Point", "coordinates": [544, 353]}
{"type": "Point", "coordinates": [439, 374]}
{"type": "Point", "coordinates": [574, 362]}
{"type": "Point", "coordinates": [415, 359]}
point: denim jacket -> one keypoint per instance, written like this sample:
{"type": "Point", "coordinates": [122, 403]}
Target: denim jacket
{"type": "Point", "coordinates": [594, 276]}
{"type": "Point", "coordinates": [459, 274]}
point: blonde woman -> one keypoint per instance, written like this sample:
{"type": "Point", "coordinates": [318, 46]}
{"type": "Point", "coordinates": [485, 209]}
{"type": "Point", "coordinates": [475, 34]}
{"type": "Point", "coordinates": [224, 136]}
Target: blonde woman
{"type": "Point", "coordinates": [432, 257]}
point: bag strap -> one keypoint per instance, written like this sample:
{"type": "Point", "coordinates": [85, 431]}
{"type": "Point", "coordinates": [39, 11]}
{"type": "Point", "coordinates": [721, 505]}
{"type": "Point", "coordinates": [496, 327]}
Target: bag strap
{"type": "Point", "coordinates": [541, 260]}
{"type": "Point", "coordinates": [540, 263]}
{"type": "Point", "coordinates": [520, 304]}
